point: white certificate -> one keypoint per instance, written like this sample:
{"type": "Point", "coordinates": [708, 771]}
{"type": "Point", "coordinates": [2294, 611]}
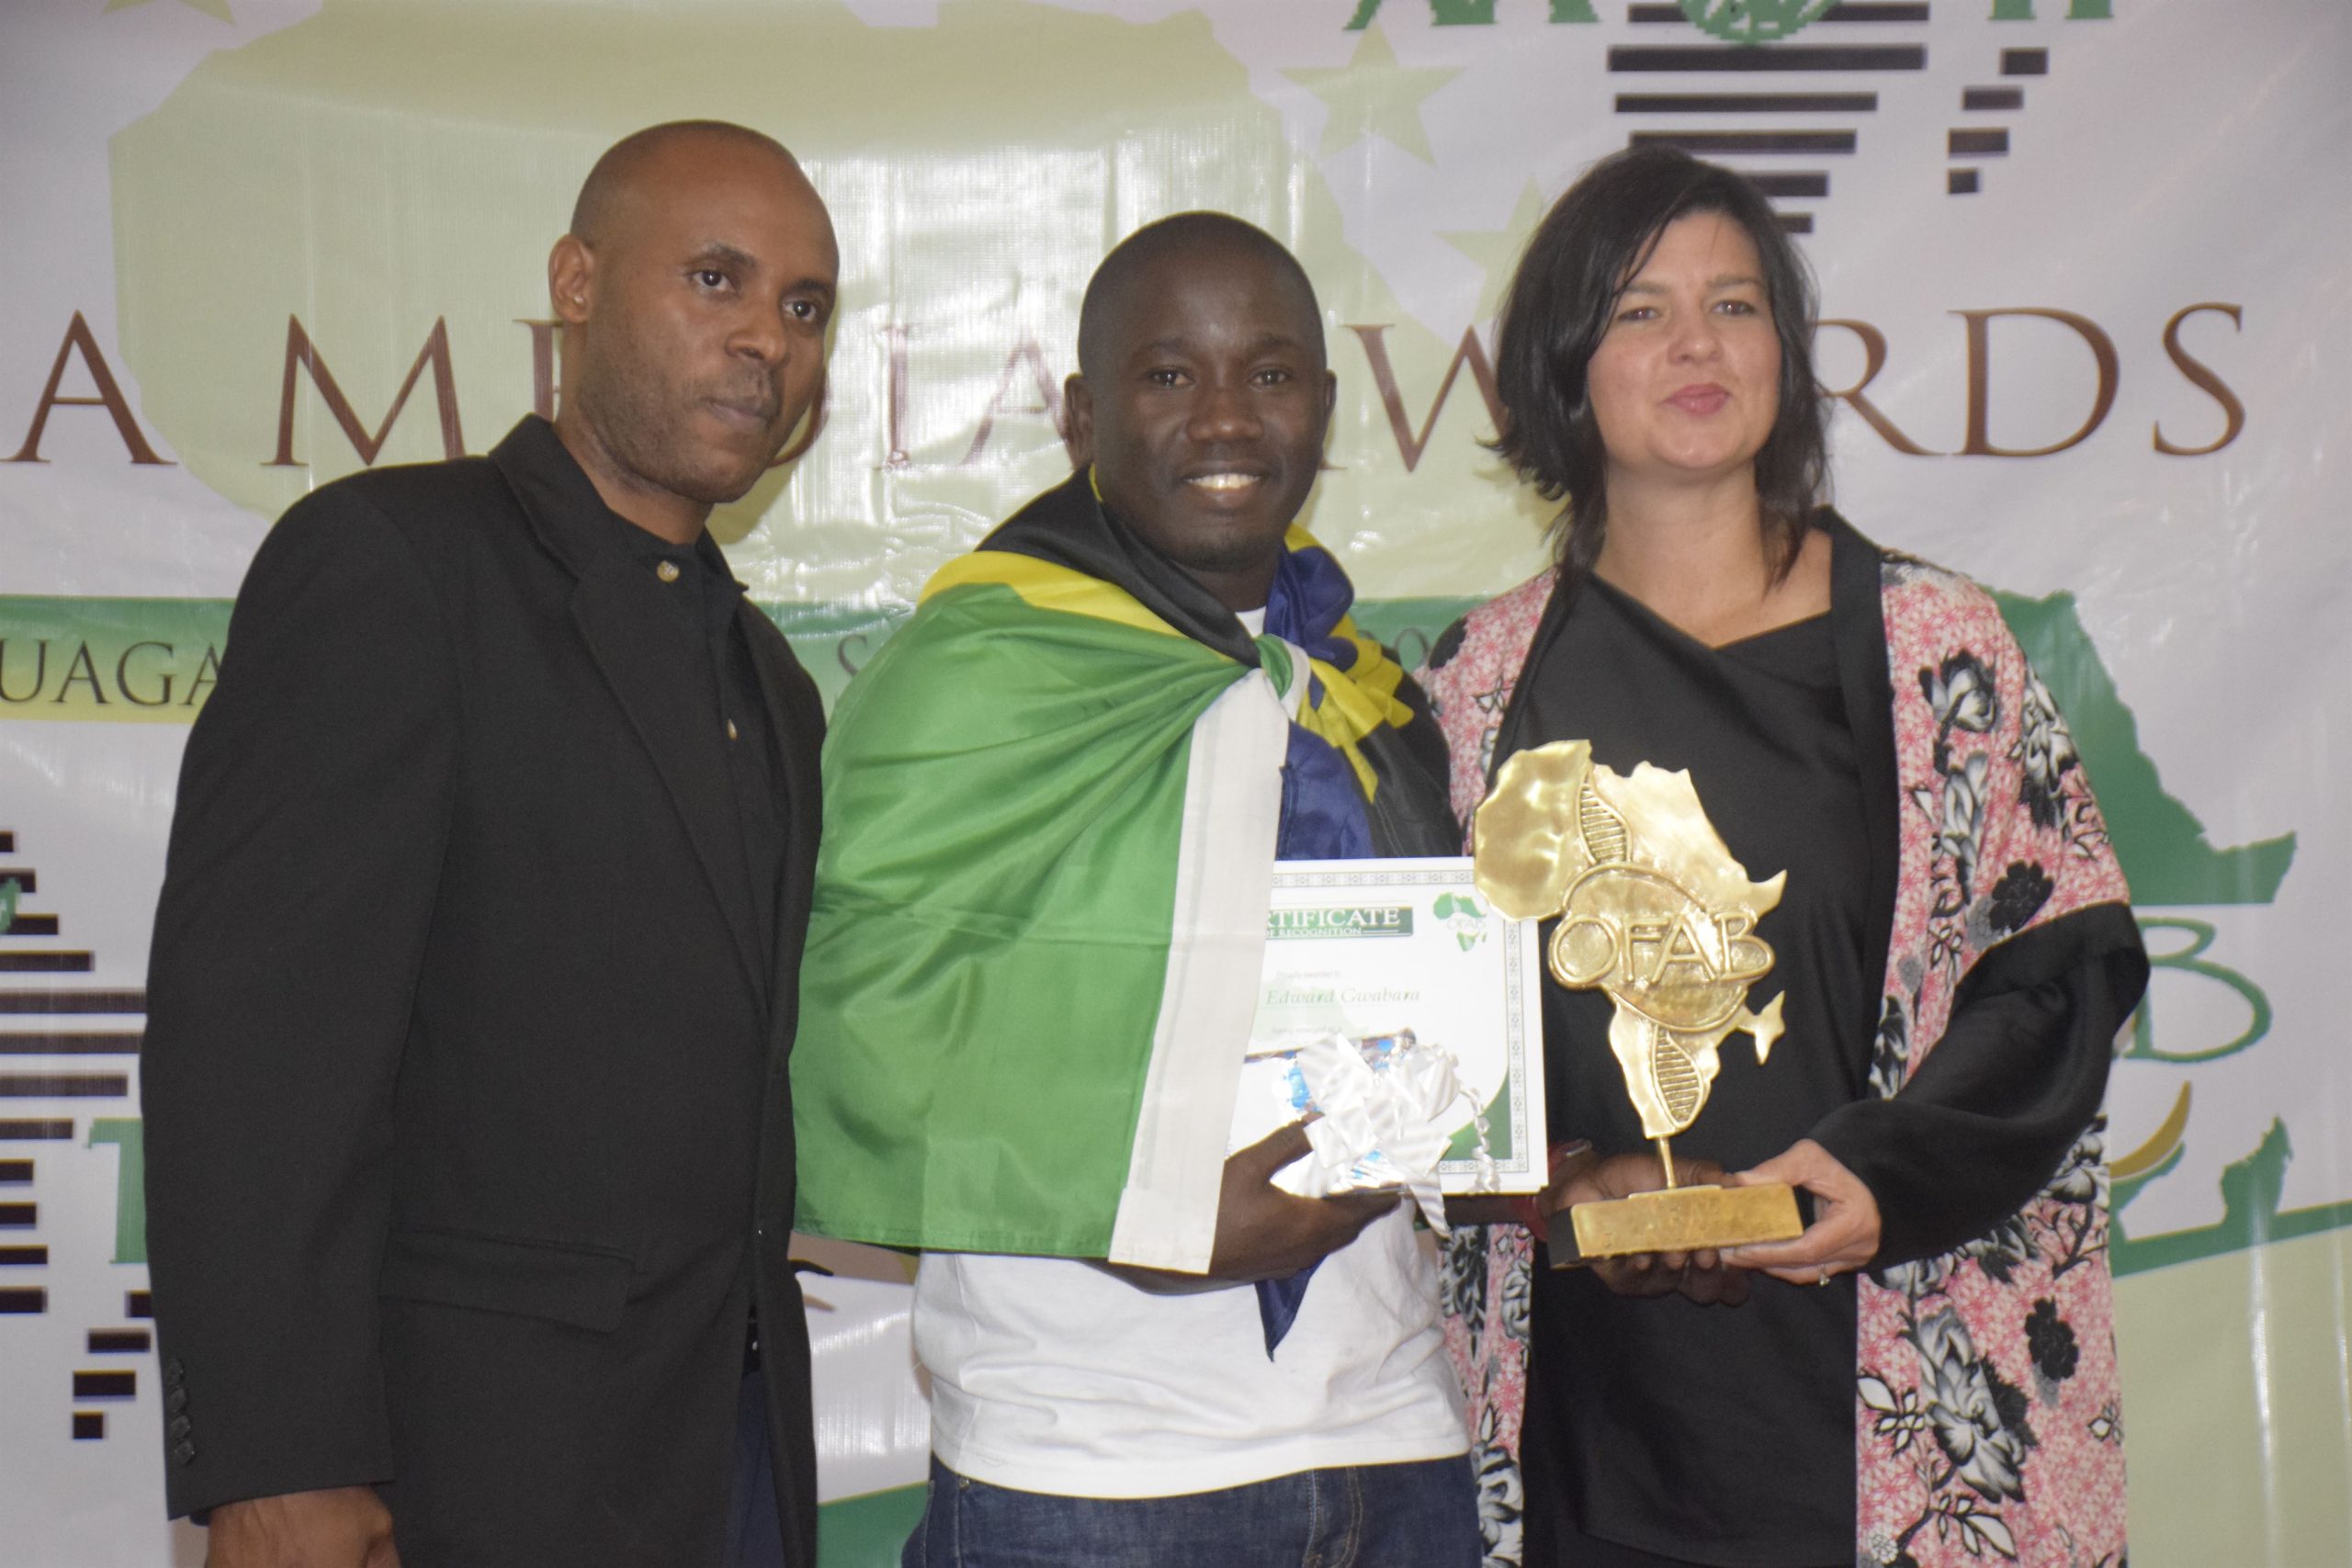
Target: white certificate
{"type": "Point", "coordinates": [1376, 950]}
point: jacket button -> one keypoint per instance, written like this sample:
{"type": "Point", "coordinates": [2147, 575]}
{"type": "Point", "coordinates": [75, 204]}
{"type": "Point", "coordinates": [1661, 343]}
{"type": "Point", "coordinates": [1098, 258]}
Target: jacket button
{"type": "Point", "coordinates": [177, 1402]}
{"type": "Point", "coordinates": [179, 1427]}
{"type": "Point", "coordinates": [173, 1371]}
{"type": "Point", "coordinates": [185, 1453]}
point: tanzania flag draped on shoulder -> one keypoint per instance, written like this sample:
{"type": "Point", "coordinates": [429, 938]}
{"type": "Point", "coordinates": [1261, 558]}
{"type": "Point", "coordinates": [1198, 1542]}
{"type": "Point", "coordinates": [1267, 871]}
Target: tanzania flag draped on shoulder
{"type": "Point", "coordinates": [1053, 804]}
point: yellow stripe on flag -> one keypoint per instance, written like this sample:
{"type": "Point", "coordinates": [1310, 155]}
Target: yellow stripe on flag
{"type": "Point", "coordinates": [1043, 585]}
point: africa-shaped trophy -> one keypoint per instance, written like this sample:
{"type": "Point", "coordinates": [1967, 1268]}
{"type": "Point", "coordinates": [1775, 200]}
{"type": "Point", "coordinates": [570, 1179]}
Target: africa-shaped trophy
{"type": "Point", "coordinates": [1654, 912]}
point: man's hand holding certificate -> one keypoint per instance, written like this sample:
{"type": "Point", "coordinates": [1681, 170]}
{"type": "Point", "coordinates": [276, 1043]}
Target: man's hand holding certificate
{"type": "Point", "coordinates": [1397, 1007]}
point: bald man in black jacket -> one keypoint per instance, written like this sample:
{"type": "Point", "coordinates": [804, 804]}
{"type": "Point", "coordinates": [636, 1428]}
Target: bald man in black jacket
{"type": "Point", "coordinates": [469, 1145]}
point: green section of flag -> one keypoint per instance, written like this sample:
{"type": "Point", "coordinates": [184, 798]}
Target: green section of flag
{"type": "Point", "coordinates": [1004, 798]}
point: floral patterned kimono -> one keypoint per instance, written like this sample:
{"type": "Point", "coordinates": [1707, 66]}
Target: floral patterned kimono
{"type": "Point", "coordinates": [1986, 1417]}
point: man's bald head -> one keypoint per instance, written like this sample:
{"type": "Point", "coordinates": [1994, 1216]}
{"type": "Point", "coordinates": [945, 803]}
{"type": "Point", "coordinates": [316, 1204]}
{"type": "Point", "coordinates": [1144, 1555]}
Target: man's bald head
{"type": "Point", "coordinates": [1186, 236]}
{"type": "Point", "coordinates": [626, 161]}
{"type": "Point", "coordinates": [694, 289]}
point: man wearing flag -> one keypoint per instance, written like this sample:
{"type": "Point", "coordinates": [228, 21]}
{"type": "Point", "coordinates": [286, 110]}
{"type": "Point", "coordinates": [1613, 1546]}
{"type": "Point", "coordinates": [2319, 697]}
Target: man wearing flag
{"type": "Point", "coordinates": [1054, 801]}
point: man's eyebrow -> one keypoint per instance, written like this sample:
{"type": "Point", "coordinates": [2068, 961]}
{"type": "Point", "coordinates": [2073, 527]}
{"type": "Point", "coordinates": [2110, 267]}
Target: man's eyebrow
{"type": "Point", "coordinates": [1264, 342]}
{"type": "Point", "coordinates": [719, 253]}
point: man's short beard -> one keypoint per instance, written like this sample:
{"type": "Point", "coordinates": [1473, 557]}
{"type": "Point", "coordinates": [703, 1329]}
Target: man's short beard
{"type": "Point", "coordinates": [636, 422]}
{"type": "Point", "coordinates": [1237, 556]}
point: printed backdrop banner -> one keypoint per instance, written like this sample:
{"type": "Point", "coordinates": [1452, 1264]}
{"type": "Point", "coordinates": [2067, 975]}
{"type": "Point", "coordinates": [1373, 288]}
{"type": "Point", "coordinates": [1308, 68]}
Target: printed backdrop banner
{"type": "Point", "coordinates": [2082, 267]}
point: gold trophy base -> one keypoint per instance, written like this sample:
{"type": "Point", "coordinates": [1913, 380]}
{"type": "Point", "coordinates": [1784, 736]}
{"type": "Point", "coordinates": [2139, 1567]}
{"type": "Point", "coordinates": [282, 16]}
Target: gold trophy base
{"type": "Point", "coordinates": [1679, 1219]}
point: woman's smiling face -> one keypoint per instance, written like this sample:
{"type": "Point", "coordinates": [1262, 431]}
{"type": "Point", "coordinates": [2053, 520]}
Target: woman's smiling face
{"type": "Point", "coordinates": [1686, 382]}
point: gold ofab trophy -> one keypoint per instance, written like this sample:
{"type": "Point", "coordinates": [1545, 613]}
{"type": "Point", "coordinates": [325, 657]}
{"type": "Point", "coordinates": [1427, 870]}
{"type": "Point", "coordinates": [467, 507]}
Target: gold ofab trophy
{"type": "Point", "coordinates": [1654, 910]}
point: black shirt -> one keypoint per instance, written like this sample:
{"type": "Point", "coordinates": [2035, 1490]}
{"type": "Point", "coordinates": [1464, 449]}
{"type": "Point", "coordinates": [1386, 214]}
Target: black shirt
{"type": "Point", "coordinates": [1652, 1408]}
{"type": "Point", "coordinates": [709, 599]}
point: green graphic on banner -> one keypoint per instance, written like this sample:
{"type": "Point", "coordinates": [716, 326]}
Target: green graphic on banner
{"type": "Point", "coordinates": [125, 1133]}
{"type": "Point", "coordinates": [2251, 1187]}
{"type": "Point", "coordinates": [1471, 13]}
{"type": "Point", "coordinates": [2161, 844]}
{"type": "Point", "coordinates": [136, 660]}
{"type": "Point", "coordinates": [2168, 861]}
{"type": "Point", "coordinates": [1753, 21]}
{"type": "Point", "coordinates": [2250, 1217]}
{"type": "Point", "coordinates": [2191, 960]}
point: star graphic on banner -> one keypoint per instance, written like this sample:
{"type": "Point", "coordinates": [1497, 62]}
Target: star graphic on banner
{"type": "Point", "coordinates": [1373, 96]}
{"type": "Point", "coordinates": [1497, 250]}
{"type": "Point", "coordinates": [219, 9]}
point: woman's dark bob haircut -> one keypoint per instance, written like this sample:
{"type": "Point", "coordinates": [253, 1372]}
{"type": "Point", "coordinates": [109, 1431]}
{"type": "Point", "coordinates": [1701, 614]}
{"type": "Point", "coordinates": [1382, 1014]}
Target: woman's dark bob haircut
{"type": "Point", "coordinates": [1597, 236]}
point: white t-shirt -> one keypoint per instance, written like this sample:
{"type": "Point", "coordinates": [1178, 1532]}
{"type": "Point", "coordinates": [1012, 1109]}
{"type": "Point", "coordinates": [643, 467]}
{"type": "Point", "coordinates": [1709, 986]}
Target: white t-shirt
{"type": "Point", "coordinates": [1053, 1375]}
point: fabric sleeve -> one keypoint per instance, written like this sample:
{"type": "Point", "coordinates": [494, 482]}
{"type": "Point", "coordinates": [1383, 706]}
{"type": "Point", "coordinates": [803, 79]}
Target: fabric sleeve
{"type": "Point", "coordinates": [1992, 1109]}
{"type": "Point", "coordinates": [304, 860]}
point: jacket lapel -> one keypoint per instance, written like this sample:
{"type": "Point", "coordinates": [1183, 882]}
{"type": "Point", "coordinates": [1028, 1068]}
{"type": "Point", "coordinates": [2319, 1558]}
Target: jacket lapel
{"type": "Point", "coordinates": [617, 604]}
{"type": "Point", "coordinates": [614, 607]}
{"type": "Point", "coordinates": [795, 727]}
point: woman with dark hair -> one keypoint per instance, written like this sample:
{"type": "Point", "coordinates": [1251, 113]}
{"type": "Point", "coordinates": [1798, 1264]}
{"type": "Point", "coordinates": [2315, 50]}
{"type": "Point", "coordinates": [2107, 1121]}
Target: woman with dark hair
{"type": "Point", "coordinates": [1953, 953]}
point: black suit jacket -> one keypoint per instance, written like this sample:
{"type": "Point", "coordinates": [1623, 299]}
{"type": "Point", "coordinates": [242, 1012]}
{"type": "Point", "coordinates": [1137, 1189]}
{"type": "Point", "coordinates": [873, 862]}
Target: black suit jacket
{"type": "Point", "coordinates": [469, 1132]}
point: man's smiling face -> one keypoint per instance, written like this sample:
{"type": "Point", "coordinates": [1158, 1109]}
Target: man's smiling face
{"type": "Point", "coordinates": [1203, 410]}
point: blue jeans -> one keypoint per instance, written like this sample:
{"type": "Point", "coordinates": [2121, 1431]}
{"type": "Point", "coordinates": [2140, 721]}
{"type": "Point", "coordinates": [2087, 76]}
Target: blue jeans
{"type": "Point", "coordinates": [1375, 1515]}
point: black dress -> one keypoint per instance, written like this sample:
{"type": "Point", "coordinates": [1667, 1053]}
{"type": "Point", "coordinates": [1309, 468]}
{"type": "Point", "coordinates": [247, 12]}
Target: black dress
{"type": "Point", "coordinates": [1659, 1431]}
{"type": "Point", "coordinates": [1711, 1434]}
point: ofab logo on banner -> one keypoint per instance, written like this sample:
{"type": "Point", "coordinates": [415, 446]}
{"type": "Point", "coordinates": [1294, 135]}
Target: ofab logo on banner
{"type": "Point", "coordinates": [325, 245]}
